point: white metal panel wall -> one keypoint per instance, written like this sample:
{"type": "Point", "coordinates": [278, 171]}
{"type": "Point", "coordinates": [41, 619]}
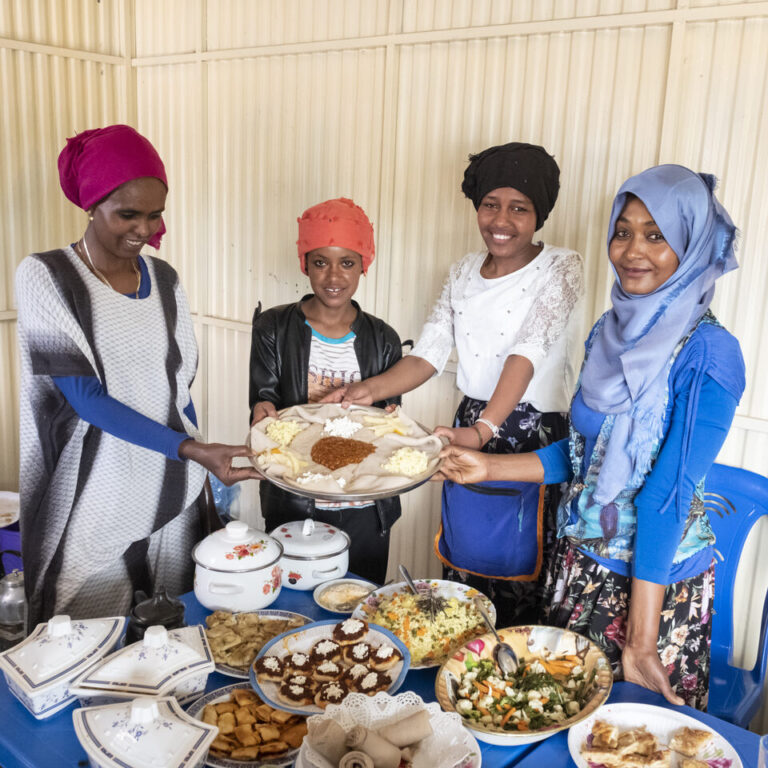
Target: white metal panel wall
{"type": "Point", "coordinates": [81, 25]}
{"type": "Point", "coordinates": [46, 98]}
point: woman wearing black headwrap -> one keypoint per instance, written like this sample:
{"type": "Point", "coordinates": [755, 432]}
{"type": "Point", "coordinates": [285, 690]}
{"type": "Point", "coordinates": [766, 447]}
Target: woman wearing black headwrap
{"type": "Point", "coordinates": [508, 309]}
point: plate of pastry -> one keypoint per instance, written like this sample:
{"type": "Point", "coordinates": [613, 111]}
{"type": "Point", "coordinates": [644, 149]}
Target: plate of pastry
{"type": "Point", "coordinates": [633, 735]}
{"type": "Point", "coordinates": [305, 670]}
{"type": "Point", "coordinates": [327, 452]}
{"type": "Point", "coordinates": [237, 638]}
{"type": "Point", "coordinates": [252, 734]}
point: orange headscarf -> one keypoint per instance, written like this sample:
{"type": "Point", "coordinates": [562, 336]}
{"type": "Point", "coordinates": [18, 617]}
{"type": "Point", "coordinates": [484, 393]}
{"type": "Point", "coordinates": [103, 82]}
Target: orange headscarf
{"type": "Point", "coordinates": [335, 223]}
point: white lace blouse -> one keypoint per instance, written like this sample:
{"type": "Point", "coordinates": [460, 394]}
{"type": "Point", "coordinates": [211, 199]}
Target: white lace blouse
{"type": "Point", "coordinates": [531, 312]}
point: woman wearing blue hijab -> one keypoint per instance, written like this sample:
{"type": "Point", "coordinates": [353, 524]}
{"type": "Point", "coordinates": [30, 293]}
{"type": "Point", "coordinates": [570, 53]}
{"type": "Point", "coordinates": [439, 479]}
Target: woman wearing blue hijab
{"type": "Point", "coordinates": [659, 387]}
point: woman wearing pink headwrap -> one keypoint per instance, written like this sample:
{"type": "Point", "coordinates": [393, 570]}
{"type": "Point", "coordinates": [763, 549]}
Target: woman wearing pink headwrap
{"type": "Point", "coordinates": [302, 351]}
{"type": "Point", "coordinates": [112, 468]}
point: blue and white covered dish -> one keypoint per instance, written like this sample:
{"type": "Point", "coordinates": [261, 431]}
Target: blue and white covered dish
{"type": "Point", "coordinates": [164, 662]}
{"type": "Point", "coordinates": [147, 732]}
{"type": "Point", "coordinates": [40, 669]}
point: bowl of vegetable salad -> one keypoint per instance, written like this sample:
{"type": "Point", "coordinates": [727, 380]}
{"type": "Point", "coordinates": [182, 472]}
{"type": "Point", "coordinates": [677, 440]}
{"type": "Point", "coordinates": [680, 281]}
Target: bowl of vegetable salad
{"type": "Point", "coordinates": [562, 679]}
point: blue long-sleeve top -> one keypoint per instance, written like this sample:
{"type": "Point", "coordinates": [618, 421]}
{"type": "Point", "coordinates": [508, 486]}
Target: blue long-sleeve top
{"type": "Point", "coordinates": [659, 529]}
{"type": "Point", "coordinates": [92, 404]}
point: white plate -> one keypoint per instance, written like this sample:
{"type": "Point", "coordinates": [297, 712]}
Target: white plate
{"type": "Point", "coordinates": [447, 589]}
{"type": "Point", "coordinates": [222, 694]}
{"type": "Point", "coordinates": [266, 613]}
{"type": "Point", "coordinates": [326, 584]}
{"type": "Point", "coordinates": [302, 640]}
{"type": "Point", "coordinates": [9, 508]}
{"type": "Point", "coordinates": [449, 745]}
{"type": "Point", "coordinates": [661, 722]}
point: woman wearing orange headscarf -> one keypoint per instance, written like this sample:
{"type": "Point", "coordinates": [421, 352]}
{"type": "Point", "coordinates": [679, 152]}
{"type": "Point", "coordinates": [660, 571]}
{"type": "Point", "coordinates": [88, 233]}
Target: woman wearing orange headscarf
{"type": "Point", "coordinates": [112, 465]}
{"type": "Point", "coordinates": [300, 352]}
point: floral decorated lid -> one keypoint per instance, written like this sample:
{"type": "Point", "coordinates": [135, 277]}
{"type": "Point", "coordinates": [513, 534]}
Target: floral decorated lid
{"type": "Point", "coordinates": [58, 650]}
{"type": "Point", "coordinates": [143, 733]}
{"type": "Point", "coordinates": [308, 539]}
{"type": "Point", "coordinates": [153, 666]}
{"type": "Point", "coordinates": [237, 548]}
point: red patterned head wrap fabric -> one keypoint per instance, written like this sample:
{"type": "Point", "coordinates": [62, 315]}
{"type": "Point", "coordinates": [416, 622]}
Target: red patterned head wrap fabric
{"type": "Point", "coordinates": [96, 162]}
{"type": "Point", "coordinates": [339, 223]}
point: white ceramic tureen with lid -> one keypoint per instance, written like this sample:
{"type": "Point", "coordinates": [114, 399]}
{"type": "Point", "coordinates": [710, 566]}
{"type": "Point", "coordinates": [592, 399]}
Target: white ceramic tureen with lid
{"type": "Point", "coordinates": [40, 668]}
{"type": "Point", "coordinates": [164, 662]}
{"type": "Point", "coordinates": [313, 553]}
{"type": "Point", "coordinates": [238, 569]}
{"type": "Point", "coordinates": [143, 733]}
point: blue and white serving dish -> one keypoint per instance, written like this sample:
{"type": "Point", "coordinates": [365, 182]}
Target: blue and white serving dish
{"type": "Point", "coordinates": [173, 662]}
{"type": "Point", "coordinates": [147, 732]}
{"type": "Point", "coordinates": [40, 669]}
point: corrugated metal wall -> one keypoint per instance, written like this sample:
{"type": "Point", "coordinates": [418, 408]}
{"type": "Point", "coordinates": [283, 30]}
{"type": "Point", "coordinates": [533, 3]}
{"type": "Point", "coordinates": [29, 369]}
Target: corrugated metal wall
{"type": "Point", "coordinates": [263, 107]}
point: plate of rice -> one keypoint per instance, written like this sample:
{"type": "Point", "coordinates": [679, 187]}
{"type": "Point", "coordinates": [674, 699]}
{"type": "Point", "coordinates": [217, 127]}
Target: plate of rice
{"type": "Point", "coordinates": [395, 608]}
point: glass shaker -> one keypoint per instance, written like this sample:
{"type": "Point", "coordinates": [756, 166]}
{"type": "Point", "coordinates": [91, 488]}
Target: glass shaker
{"type": "Point", "coordinates": [13, 610]}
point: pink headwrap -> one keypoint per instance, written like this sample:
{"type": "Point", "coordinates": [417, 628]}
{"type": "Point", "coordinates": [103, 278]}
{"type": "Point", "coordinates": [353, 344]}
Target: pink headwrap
{"type": "Point", "coordinates": [338, 223]}
{"type": "Point", "coordinates": [96, 162]}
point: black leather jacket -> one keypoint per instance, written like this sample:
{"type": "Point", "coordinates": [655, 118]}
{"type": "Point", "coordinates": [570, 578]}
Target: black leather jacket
{"type": "Point", "coordinates": [280, 343]}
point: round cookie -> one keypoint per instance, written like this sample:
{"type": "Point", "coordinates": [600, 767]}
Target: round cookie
{"type": "Point", "coordinates": [333, 692]}
{"type": "Point", "coordinates": [295, 695]}
{"type": "Point", "coordinates": [350, 631]}
{"type": "Point", "coordinates": [384, 657]}
{"type": "Point", "coordinates": [297, 663]}
{"type": "Point", "coordinates": [373, 682]}
{"type": "Point", "coordinates": [325, 650]}
{"type": "Point", "coordinates": [329, 670]}
{"type": "Point", "coordinates": [269, 668]}
{"type": "Point", "coordinates": [358, 653]}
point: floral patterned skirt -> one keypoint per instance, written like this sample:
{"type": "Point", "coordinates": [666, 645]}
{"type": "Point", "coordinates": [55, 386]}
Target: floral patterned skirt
{"type": "Point", "coordinates": [584, 596]}
{"type": "Point", "coordinates": [525, 430]}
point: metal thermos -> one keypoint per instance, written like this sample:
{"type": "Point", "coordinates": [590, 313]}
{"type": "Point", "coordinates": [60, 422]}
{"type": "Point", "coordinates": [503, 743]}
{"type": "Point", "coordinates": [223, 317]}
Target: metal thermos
{"type": "Point", "coordinates": [13, 610]}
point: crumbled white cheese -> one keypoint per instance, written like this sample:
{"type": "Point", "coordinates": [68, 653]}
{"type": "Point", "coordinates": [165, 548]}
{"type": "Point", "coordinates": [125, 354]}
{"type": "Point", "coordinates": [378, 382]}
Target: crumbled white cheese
{"type": "Point", "coordinates": [342, 426]}
{"type": "Point", "coordinates": [283, 432]}
{"type": "Point", "coordinates": [406, 461]}
{"type": "Point", "coordinates": [351, 626]}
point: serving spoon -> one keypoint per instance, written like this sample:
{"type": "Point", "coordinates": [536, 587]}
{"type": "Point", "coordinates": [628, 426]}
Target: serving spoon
{"type": "Point", "coordinates": [423, 600]}
{"type": "Point", "coordinates": [503, 655]}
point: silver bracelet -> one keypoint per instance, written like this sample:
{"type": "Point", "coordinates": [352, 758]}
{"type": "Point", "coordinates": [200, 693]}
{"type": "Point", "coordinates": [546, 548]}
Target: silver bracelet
{"type": "Point", "coordinates": [495, 431]}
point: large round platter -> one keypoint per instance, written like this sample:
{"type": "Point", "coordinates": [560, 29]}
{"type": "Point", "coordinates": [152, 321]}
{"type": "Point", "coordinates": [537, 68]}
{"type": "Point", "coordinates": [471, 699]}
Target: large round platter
{"type": "Point", "coordinates": [661, 722]}
{"type": "Point", "coordinates": [528, 642]}
{"type": "Point", "coordinates": [302, 640]}
{"type": "Point", "coordinates": [265, 613]}
{"type": "Point", "coordinates": [446, 589]}
{"type": "Point", "coordinates": [449, 746]}
{"type": "Point", "coordinates": [398, 484]}
{"type": "Point", "coordinates": [214, 761]}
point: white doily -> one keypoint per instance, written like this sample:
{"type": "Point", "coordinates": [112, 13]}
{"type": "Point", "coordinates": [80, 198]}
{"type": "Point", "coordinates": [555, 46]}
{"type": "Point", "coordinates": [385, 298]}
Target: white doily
{"type": "Point", "coordinates": [449, 745]}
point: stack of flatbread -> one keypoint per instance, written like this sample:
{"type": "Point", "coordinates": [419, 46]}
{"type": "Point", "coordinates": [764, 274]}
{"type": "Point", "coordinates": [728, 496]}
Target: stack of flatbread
{"type": "Point", "coordinates": [639, 748]}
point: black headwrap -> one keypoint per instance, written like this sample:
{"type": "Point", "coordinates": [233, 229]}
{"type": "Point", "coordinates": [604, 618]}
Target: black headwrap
{"type": "Point", "coordinates": [528, 168]}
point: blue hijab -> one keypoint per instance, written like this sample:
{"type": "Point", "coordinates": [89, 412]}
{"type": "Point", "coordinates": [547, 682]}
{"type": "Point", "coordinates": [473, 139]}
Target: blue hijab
{"type": "Point", "coordinates": [628, 365]}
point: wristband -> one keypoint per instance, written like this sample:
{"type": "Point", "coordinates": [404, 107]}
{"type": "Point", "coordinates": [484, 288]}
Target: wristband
{"type": "Point", "coordinates": [495, 431]}
{"type": "Point", "coordinates": [479, 434]}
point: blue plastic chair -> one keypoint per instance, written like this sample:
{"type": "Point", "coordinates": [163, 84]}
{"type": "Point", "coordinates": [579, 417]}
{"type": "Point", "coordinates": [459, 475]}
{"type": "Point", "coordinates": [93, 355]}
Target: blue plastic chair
{"type": "Point", "coordinates": [735, 500]}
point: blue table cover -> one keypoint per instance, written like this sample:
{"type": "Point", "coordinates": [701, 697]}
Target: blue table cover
{"type": "Point", "coordinates": [51, 743]}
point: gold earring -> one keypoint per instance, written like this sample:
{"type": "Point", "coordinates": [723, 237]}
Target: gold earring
{"type": "Point", "coordinates": [90, 218]}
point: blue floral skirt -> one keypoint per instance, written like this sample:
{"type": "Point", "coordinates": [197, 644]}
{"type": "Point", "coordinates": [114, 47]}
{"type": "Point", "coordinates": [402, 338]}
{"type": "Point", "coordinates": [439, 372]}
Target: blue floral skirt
{"type": "Point", "coordinates": [525, 430]}
{"type": "Point", "coordinates": [582, 595]}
